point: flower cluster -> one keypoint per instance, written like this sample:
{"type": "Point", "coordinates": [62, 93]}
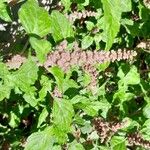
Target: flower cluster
{"type": "Point", "coordinates": [15, 62]}
{"type": "Point", "coordinates": [56, 93]}
{"type": "Point", "coordinates": [80, 15]}
{"type": "Point", "coordinates": [66, 59]}
{"type": "Point", "coordinates": [85, 59]}
{"type": "Point", "coordinates": [137, 140]}
{"type": "Point", "coordinates": [145, 44]}
{"type": "Point", "coordinates": [105, 129]}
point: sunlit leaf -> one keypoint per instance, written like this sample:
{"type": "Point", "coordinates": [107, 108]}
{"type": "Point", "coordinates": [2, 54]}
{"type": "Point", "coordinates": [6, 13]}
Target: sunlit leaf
{"type": "Point", "coordinates": [41, 47]}
{"type": "Point", "coordinates": [60, 26]}
{"type": "Point", "coordinates": [34, 19]}
{"type": "Point", "coordinates": [62, 114]}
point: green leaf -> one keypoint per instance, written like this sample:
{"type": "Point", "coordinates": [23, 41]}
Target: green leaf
{"type": "Point", "coordinates": [78, 99]}
{"type": "Point", "coordinates": [24, 78]}
{"type": "Point", "coordinates": [60, 26]}
{"type": "Point", "coordinates": [62, 114]}
{"type": "Point", "coordinates": [118, 143]}
{"type": "Point", "coordinates": [41, 47]}
{"type": "Point", "coordinates": [69, 83]}
{"type": "Point", "coordinates": [58, 75]}
{"type": "Point", "coordinates": [90, 25]}
{"type": "Point", "coordinates": [34, 19]}
{"type": "Point", "coordinates": [42, 117]}
{"type": "Point", "coordinates": [57, 147]}
{"type": "Point", "coordinates": [46, 87]}
{"type": "Point", "coordinates": [146, 111]}
{"type": "Point", "coordinates": [29, 97]}
{"type": "Point", "coordinates": [3, 12]}
{"type": "Point", "coordinates": [75, 146]}
{"type": "Point", "coordinates": [131, 78]}
{"type": "Point", "coordinates": [4, 91]}
{"type": "Point", "coordinates": [3, 71]}
{"type": "Point", "coordinates": [6, 85]}
{"type": "Point", "coordinates": [90, 107]}
{"type": "Point", "coordinates": [146, 129]}
{"type": "Point", "coordinates": [87, 41]}
{"type": "Point", "coordinates": [27, 74]}
{"type": "Point", "coordinates": [126, 5]}
{"type": "Point", "coordinates": [103, 66]}
{"type": "Point", "coordinates": [14, 120]}
{"type": "Point", "coordinates": [112, 16]}
{"type": "Point", "coordinates": [66, 3]}
{"type": "Point", "coordinates": [123, 95]}
{"type": "Point", "coordinates": [111, 20]}
{"type": "Point", "coordinates": [60, 136]}
{"type": "Point", "coordinates": [40, 141]}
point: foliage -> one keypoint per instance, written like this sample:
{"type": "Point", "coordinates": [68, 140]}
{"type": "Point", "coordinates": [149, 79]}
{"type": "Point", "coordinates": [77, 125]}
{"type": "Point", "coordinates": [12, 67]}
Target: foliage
{"type": "Point", "coordinates": [52, 108]}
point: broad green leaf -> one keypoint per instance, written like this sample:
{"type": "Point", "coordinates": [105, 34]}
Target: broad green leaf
{"type": "Point", "coordinates": [90, 107]}
{"type": "Point", "coordinates": [66, 3]}
{"type": "Point", "coordinates": [75, 146]}
{"type": "Point", "coordinates": [69, 83]}
{"type": "Point", "coordinates": [58, 75]}
{"type": "Point", "coordinates": [118, 143]}
{"type": "Point", "coordinates": [62, 114]}
{"type": "Point", "coordinates": [112, 16]}
{"type": "Point", "coordinates": [85, 79]}
{"type": "Point", "coordinates": [46, 87]}
{"type": "Point", "coordinates": [24, 78]}
{"type": "Point", "coordinates": [27, 74]}
{"type": "Point", "coordinates": [89, 25]}
{"type": "Point", "coordinates": [79, 99]}
{"type": "Point", "coordinates": [60, 26]}
{"type": "Point", "coordinates": [34, 19]}
{"type": "Point", "coordinates": [103, 66]}
{"type": "Point", "coordinates": [123, 95]}
{"type": "Point", "coordinates": [87, 128]}
{"type": "Point", "coordinates": [14, 120]}
{"type": "Point", "coordinates": [30, 98]}
{"type": "Point", "coordinates": [3, 12]}
{"type": "Point", "coordinates": [42, 117]}
{"type": "Point", "coordinates": [41, 47]}
{"type": "Point", "coordinates": [7, 84]}
{"type": "Point", "coordinates": [146, 129]}
{"type": "Point", "coordinates": [57, 147]}
{"type": "Point", "coordinates": [133, 77]}
{"type": "Point", "coordinates": [3, 71]}
{"type": "Point", "coordinates": [87, 41]}
{"type": "Point", "coordinates": [40, 141]}
{"type": "Point", "coordinates": [126, 5]}
{"type": "Point", "coordinates": [111, 20]}
{"type": "Point", "coordinates": [146, 111]}
{"type": "Point", "coordinates": [4, 91]}
{"type": "Point", "coordinates": [60, 136]}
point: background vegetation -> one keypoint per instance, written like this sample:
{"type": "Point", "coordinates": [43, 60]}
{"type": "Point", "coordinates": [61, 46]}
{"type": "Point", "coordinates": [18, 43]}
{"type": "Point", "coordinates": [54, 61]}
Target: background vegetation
{"type": "Point", "coordinates": [61, 84]}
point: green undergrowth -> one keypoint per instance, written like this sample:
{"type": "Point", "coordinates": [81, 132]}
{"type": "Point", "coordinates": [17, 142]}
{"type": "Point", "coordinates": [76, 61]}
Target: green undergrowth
{"type": "Point", "coordinates": [32, 117]}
